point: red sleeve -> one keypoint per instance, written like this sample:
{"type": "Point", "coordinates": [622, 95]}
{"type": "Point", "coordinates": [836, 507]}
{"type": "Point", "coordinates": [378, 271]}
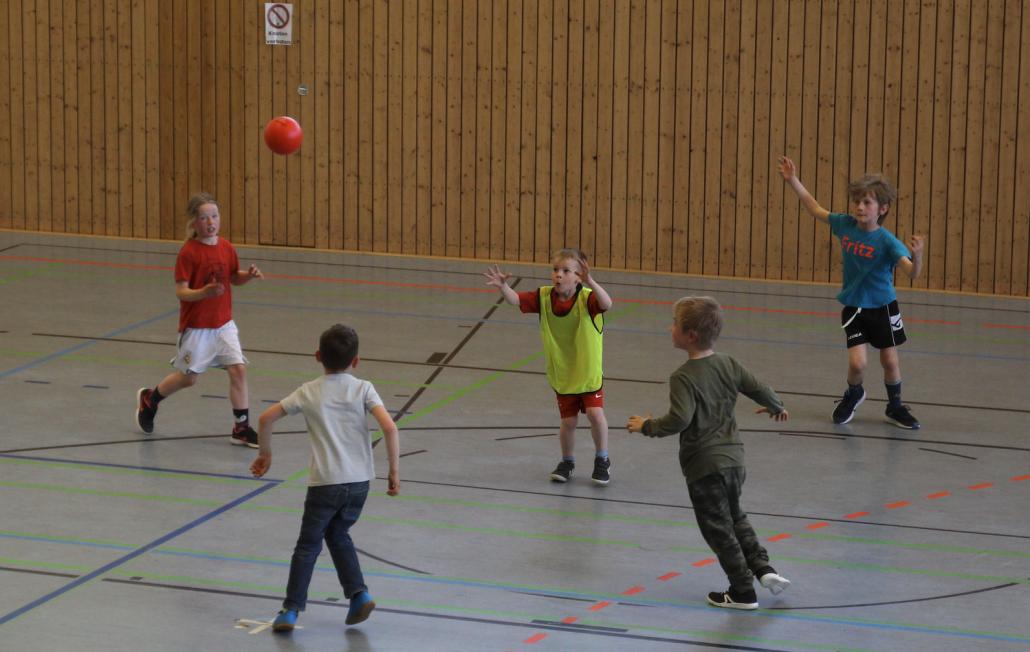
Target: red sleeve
{"type": "Point", "coordinates": [234, 261]}
{"type": "Point", "coordinates": [593, 306]}
{"type": "Point", "coordinates": [529, 301]}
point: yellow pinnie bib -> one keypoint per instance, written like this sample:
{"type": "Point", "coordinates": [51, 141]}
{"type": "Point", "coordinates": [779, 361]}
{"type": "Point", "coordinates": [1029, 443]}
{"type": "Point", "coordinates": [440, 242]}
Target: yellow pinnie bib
{"type": "Point", "coordinates": [572, 344]}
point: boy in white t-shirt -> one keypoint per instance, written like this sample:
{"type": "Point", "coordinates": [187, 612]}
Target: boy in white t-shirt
{"type": "Point", "coordinates": [335, 407]}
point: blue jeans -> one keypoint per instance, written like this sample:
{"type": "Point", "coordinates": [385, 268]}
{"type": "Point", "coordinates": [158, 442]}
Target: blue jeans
{"type": "Point", "coordinates": [329, 512]}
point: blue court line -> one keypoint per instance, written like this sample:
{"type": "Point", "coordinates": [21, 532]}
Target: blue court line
{"type": "Point", "coordinates": [158, 469]}
{"type": "Point", "coordinates": [132, 555]}
{"type": "Point", "coordinates": [483, 584]}
{"type": "Point", "coordinates": [82, 345]}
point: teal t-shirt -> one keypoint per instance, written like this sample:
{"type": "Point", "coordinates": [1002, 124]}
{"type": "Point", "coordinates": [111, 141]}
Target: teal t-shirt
{"type": "Point", "coordinates": [869, 260]}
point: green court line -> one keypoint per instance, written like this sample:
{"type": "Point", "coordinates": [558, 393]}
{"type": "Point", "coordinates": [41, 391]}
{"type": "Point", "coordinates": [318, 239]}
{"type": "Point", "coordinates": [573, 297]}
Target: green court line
{"type": "Point", "coordinates": [935, 547]}
{"type": "Point", "coordinates": [516, 534]}
{"type": "Point", "coordinates": [113, 470]}
{"type": "Point", "coordinates": [112, 494]}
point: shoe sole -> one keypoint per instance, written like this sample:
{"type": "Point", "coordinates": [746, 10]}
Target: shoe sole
{"type": "Point", "coordinates": [135, 415]}
{"type": "Point", "coordinates": [900, 424]}
{"type": "Point", "coordinates": [600, 482]}
{"type": "Point", "coordinates": [241, 442]}
{"type": "Point", "coordinates": [853, 410]}
{"type": "Point", "coordinates": [743, 606]}
{"type": "Point", "coordinates": [285, 627]}
{"type": "Point", "coordinates": [363, 613]}
{"type": "Point", "coordinates": [776, 586]}
{"type": "Point", "coordinates": [558, 478]}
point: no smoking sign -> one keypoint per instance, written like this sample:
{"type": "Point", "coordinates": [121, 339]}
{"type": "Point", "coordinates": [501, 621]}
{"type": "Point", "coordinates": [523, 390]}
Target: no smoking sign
{"type": "Point", "coordinates": [278, 23]}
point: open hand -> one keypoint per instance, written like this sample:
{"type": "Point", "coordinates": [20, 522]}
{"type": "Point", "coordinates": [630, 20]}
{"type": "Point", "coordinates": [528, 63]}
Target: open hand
{"type": "Point", "coordinates": [787, 168]}
{"type": "Point", "coordinates": [775, 416]}
{"type": "Point", "coordinates": [495, 277]}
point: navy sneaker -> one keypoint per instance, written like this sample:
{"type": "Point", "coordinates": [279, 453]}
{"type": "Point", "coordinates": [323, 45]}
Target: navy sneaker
{"type": "Point", "coordinates": [730, 599]}
{"type": "Point", "coordinates": [244, 437]}
{"type": "Point", "coordinates": [847, 405]}
{"type": "Point", "coordinates": [144, 413]}
{"type": "Point", "coordinates": [601, 474]}
{"type": "Point", "coordinates": [901, 417]}
{"type": "Point", "coordinates": [284, 621]}
{"type": "Point", "coordinates": [361, 605]}
{"type": "Point", "coordinates": [563, 471]}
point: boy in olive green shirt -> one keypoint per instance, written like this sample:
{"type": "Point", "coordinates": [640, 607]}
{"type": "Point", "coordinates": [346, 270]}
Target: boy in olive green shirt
{"type": "Point", "coordinates": [703, 396]}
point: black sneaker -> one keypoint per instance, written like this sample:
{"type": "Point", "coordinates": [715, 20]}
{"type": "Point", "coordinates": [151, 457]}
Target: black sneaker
{"type": "Point", "coordinates": [244, 437]}
{"type": "Point", "coordinates": [144, 413]}
{"type": "Point", "coordinates": [730, 599]}
{"type": "Point", "coordinates": [601, 473]}
{"type": "Point", "coordinates": [563, 471]}
{"type": "Point", "coordinates": [901, 417]}
{"type": "Point", "coordinates": [847, 405]}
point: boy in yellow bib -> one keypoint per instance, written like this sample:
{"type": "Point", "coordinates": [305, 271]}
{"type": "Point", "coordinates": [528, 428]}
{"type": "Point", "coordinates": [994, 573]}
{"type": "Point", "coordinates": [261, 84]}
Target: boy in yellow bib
{"type": "Point", "coordinates": [571, 327]}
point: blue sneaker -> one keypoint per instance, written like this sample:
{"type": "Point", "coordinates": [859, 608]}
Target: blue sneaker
{"type": "Point", "coordinates": [284, 621]}
{"type": "Point", "coordinates": [361, 605]}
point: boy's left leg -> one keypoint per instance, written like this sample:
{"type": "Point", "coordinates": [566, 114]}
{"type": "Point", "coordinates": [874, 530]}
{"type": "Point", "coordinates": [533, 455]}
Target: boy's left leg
{"type": "Point", "coordinates": [756, 555]}
{"type": "Point", "coordinates": [599, 432]}
{"type": "Point", "coordinates": [345, 558]}
{"type": "Point", "coordinates": [896, 412]}
{"type": "Point", "coordinates": [712, 507]}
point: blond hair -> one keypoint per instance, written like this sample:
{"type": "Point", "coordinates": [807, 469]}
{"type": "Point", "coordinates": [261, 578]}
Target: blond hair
{"type": "Point", "coordinates": [193, 210]}
{"type": "Point", "coordinates": [885, 192]}
{"type": "Point", "coordinates": [569, 254]}
{"type": "Point", "coordinates": [703, 315]}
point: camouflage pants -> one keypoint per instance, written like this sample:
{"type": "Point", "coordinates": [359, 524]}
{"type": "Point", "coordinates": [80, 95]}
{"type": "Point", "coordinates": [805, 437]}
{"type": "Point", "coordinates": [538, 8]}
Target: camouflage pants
{"type": "Point", "coordinates": [724, 526]}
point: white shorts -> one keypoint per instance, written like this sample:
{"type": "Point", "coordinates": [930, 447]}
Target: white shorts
{"type": "Point", "coordinates": [201, 348]}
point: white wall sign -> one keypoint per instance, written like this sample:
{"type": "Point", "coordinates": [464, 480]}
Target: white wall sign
{"type": "Point", "coordinates": [278, 23]}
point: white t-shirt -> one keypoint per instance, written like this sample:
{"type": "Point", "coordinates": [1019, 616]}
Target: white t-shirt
{"type": "Point", "coordinates": [335, 407]}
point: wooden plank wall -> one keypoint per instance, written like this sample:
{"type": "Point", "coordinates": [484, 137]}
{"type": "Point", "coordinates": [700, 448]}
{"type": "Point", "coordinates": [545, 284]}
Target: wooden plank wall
{"type": "Point", "coordinates": [643, 131]}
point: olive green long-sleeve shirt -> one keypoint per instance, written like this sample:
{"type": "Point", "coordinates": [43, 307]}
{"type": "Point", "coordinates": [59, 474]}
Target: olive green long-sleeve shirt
{"type": "Point", "coordinates": [703, 399]}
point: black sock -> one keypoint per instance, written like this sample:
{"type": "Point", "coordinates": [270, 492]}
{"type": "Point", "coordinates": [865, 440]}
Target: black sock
{"type": "Point", "coordinates": [154, 398]}
{"type": "Point", "coordinates": [242, 418]}
{"type": "Point", "coordinates": [893, 394]}
{"type": "Point", "coordinates": [854, 389]}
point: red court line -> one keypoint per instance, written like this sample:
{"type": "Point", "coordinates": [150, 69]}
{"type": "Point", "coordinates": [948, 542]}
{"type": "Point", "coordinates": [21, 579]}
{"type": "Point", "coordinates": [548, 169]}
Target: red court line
{"type": "Point", "coordinates": [982, 485]}
{"type": "Point", "coordinates": [1022, 328]}
{"type": "Point", "coordinates": [780, 537]}
{"type": "Point", "coordinates": [703, 562]}
{"type": "Point", "coordinates": [668, 576]}
{"type": "Point", "coordinates": [857, 515]}
{"type": "Point", "coordinates": [1020, 478]}
{"type": "Point", "coordinates": [569, 620]}
{"type": "Point", "coordinates": [939, 494]}
{"type": "Point", "coordinates": [816, 526]}
{"type": "Point", "coordinates": [535, 638]}
{"type": "Point", "coordinates": [900, 503]}
{"type": "Point", "coordinates": [633, 590]}
{"type": "Point", "coordinates": [599, 606]}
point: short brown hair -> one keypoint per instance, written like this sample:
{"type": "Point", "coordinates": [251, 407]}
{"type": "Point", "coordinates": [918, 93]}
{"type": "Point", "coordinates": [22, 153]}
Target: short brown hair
{"type": "Point", "coordinates": [885, 192]}
{"type": "Point", "coordinates": [703, 315]}
{"type": "Point", "coordinates": [338, 346]}
{"type": "Point", "coordinates": [569, 253]}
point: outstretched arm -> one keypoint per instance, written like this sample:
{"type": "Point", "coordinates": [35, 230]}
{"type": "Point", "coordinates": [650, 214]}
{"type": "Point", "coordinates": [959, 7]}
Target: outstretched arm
{"type": "Point", "coordinates": [604, 301]}
{"type": "Point", "coordinates": [264, 458]}
{"type": "Point", "coordinates": [912, 267]}
{"type": "Point", "coordinates": [498, 279]}
{"type": "Point", "coordinates": [790, 175]}
{"type": "Point", "coordinates": [393, 445]}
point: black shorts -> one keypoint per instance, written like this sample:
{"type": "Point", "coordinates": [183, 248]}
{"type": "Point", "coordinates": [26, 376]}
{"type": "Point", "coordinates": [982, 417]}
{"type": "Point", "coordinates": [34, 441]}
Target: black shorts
{"type": "Point", "coordinates": [880, 327]}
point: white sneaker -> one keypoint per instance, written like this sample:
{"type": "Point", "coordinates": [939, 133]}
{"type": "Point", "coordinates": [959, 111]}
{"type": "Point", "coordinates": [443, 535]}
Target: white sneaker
{"type": "Point", "coordinates": [775, 583]}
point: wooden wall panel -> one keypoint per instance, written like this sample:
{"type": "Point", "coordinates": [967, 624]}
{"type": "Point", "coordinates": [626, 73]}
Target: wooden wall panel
{"type": "Point", "coordinates": [644, 132]}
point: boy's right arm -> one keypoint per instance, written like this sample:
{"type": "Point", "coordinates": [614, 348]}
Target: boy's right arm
{"type": "Point", "coordinates": [393, 446]}
{"type": "Point", "coordinates": [790, 175]}
{"type": "Point", "coordinates": [183, 292]}
{"type": "Point", "coordinates": [498, 279]}
{"type": "Point", "coordinates": [265, 421]}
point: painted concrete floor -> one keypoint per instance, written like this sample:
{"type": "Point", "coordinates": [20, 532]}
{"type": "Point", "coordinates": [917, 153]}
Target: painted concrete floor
{"type": "Point", "coordinates": [112, 540]}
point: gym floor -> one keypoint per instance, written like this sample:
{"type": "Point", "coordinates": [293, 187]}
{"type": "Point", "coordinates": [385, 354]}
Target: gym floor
{"type": "Point", "coordinates": [113, 540]}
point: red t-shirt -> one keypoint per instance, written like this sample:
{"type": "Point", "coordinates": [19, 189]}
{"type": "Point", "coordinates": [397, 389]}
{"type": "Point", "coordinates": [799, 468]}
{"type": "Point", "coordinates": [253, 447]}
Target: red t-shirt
{"type": "Point", "coordinates": [530, 302]}
{"type": "Point", "coordinates": [199, 264]}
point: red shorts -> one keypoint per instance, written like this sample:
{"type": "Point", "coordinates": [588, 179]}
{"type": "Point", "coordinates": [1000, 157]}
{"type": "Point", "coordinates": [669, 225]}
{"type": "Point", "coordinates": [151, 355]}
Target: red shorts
{"type": "Point", "coordinates": [569, 405]}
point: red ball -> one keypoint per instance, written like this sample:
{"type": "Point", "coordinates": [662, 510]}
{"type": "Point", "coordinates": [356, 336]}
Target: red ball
{"type": "Point", "coordinates": [283, 135]}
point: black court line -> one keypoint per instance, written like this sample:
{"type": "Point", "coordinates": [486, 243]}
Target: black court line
{"type": "Point", "coordinates": [549, 434]}
{"type": "Point", "coordinates": [907, 440]}
{"type": "Point", "coordinates": [909, 601]}
{"type": "Point", "coordinates": [829, 297]}
{"type": "Point", "coordinates": [38, 382]}
{"type": "Point", "coordinates": [622, 501]}
{"type": "Point", "coordinates": [97, 386]}
{"type": "Point", "coordinates": [15, 246]}
{"type": "Point", "coordinates": [585, 628]}
{"type": "Point", "coordinates": [391, 563]}
{"type": "Point", "coordinates": [30, 571]}
{"type": "Point", "coordinates": [571, 598]}
{"type": "Point", "coordinates": [801, 434]}
{"type": "Point", "coordinates": [413, 452]}
{"type": "Point", "coordinates": [570, 629]}
{"type": "Point", "coordinates": [934, 450]}
{"type": "Point", "coordinates": [608, 379]}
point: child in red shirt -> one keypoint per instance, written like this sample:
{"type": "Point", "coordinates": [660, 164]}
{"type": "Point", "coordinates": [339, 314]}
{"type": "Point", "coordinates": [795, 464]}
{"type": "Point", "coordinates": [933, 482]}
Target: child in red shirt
{"type": "Point", "coordinates": [205, 270]}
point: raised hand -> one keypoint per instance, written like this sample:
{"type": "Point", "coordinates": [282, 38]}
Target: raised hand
{"type": "Point", "coordinates": [495, 277]}
{"type": "Point", "coordinates": [787, 168]}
